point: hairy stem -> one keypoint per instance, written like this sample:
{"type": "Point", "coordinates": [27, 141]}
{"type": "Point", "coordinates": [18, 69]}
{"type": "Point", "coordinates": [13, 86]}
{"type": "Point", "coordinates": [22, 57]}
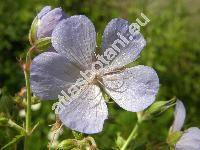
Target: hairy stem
{"type": "Point", "coordinates": [26, 68]}
{"type": "Point", "coordinates": [16, 126]}
{"type": "Point", "coordinates": [133, 133]}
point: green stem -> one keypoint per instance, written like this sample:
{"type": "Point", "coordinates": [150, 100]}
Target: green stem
{"type": "Point", "coordinates": [132, 136]}
{"type": "Point", "coordinates": [28, 107]}
{"type": "Point", "coordinates": [134, 132]}
{"type": "Point", "coordinates": [28, 97]}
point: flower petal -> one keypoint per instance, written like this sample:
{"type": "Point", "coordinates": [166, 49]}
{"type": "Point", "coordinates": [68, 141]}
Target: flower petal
{"type": "Point", "coordinates": [134, 89]}
{"type": "Point", "coordinates": [179, 116]}
{"type": "Point", "coordinates": [131, 51]}
{"type": "Point", "coordinates": [190, 140]}
{"type": "Point", "coordinates": [87, 112]}
{"type": "Point", "coordinates": [75, 38]}
{"type": "Point", "coordinates": [48, 21]}
{"type": "Point", "coordinates": [44, 11]}
{"type": "Point", "coordinates": [50, 74]}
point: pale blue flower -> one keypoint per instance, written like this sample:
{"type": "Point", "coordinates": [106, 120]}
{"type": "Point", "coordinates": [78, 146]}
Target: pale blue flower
{"type": "Point", "coordinates": [74, 40]}
{"type": "Point", "coordinates": [190, 139]}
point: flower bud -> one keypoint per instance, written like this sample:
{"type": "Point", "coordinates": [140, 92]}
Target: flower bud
{"type": "Point", "coordinates": [67, 144]}
{"type": "Point", "coordinates": [43, 44]}
{"type": "Point", "coordinates": [33, 31]}
{"type": "Point", "coordinates": [174, 137]}
{"type": "Point", "coordinates": [157, 108]}
{"type": "Point", "coordinates": [43, 25]}
{"type": "Point", "coordinates": [47, 20]}
{"type": "Point", "coordinates": [77, 135]}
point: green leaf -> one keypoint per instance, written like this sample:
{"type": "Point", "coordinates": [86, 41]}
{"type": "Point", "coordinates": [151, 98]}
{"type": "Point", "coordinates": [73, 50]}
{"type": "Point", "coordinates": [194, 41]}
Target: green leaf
{"type": "Point", "coordinates": [8, 122]}
{"type": "Point", "coordinates": [35, 126]}
{"type": "Point", "coordinates": [13, 141]}
{"type": "Point", "coordinates": [7, 102]}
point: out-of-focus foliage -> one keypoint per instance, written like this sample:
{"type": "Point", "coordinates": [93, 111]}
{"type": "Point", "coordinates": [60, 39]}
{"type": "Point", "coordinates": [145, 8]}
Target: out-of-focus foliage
{"type": "Point", "coordinates": [173, 49]}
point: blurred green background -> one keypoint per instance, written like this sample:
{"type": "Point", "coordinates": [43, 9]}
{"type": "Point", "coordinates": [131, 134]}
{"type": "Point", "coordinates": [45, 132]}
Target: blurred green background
{"type": "Point", "coordinates": [173, 49]}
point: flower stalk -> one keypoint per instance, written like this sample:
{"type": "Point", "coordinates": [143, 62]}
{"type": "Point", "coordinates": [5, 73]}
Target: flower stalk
{"type": "Point", "coordinates": [26, 68]}
{"type": "Point", "coordinates": [134, 132]}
